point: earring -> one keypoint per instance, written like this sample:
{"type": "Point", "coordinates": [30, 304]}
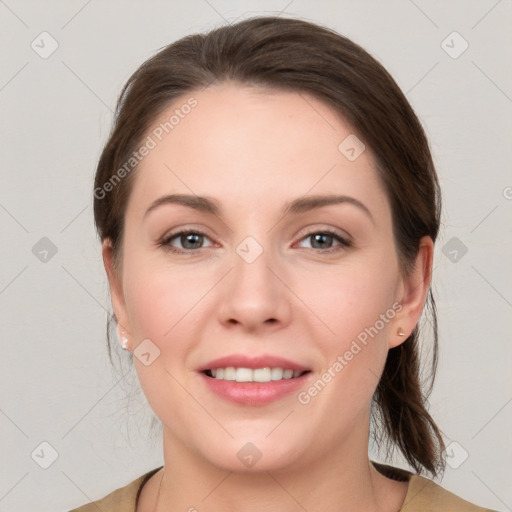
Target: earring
{"type": "Point", "coordinates": [122, 339]}
{"type": "Point", "coordinates": [400, 332]}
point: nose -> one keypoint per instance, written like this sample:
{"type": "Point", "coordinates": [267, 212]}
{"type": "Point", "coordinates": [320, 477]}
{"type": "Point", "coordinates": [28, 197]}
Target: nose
{"type": "Point", "coordinates": [254, 295]}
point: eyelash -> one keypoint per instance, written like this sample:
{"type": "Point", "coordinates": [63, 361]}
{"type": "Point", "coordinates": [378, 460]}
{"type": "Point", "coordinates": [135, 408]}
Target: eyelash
{"type": "Point", "coordinates": [165, 242]}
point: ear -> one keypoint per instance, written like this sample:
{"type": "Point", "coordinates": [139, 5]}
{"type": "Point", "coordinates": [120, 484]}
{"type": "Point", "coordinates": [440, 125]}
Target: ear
{"type": "Point", "coordinates": [412, 292]}
{"type": "Point", "coordinates": [116, 288]}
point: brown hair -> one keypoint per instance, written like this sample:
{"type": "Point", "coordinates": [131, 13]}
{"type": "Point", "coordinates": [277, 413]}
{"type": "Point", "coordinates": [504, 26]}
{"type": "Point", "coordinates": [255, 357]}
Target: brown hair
{"type": "Point", "coordinates": [295, 55]}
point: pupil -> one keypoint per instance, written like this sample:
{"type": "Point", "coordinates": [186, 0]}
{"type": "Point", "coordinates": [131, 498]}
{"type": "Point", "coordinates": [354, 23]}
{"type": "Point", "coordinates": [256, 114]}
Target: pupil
{"type": "Point", "coordinates": [194, 238]}
{"type": "Point", "coordinates": [320, 238]}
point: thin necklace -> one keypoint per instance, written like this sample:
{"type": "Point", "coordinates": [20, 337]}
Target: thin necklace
{"type": "Point", "coordinates": [162, 478]}
{"type": "Point", "coordinates": [158, 493]}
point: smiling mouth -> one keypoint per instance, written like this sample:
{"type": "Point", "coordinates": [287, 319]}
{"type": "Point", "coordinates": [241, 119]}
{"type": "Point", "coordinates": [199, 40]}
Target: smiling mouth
{"type": "Point", "coordinates": [241, 374]}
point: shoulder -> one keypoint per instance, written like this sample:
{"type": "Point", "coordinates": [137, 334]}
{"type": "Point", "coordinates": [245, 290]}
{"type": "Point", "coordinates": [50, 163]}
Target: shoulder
{"type": "Point", "coordinates": [425, 495]}
{"type": "Point", "coordinates": [123, 499]}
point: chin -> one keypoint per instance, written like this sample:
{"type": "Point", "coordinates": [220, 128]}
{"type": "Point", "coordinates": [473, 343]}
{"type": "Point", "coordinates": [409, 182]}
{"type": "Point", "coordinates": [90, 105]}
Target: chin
{"type": "Point", "coordinates": [253, 454]}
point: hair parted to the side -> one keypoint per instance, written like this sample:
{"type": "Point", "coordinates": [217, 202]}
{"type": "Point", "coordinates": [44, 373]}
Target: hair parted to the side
{"type": "Point", "coordinates": [295, 55]}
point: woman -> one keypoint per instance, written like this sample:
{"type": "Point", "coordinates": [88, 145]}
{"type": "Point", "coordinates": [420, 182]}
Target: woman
{"type": "Point", "coordinates": [234, 158]}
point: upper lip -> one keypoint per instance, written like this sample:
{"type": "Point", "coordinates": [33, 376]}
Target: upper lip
{"type": "Point", "coordinates": [254, 361]}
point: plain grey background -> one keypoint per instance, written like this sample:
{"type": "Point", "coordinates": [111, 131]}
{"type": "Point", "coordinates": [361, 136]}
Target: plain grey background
{"type": "Point", "coordinates": [58, 387]}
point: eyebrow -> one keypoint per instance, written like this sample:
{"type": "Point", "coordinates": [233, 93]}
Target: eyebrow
{"type": "Point", "coordinates": [300, 205]}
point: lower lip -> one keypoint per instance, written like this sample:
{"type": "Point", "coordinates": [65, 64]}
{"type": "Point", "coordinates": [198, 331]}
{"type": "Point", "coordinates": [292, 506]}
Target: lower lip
{"type": "Point", "coordinates": [254, 393]}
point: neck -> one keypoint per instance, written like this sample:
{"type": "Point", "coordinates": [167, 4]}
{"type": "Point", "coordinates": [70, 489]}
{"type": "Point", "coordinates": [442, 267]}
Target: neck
{"type": "Point", "coordinates": [341, 480]}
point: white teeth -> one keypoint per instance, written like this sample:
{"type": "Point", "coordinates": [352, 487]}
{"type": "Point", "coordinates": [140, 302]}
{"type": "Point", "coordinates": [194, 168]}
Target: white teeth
{"type": "Point", "coordinates": [244, 375]}
{"type": "Point", "coordinates": [287, 374]}
{"type": "Point", "coordinates": [229, 373]}
{"type": "Point", "coordinates": [256, 375]}
{"type": "Point", "coordinates": [262, 375]}
{"type": "Point", "coordinates": [276, 373]}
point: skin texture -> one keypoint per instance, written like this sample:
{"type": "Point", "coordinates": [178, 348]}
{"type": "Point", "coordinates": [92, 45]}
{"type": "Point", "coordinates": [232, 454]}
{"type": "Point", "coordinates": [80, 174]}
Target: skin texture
{"type": "Point", "coordinates": [253, 151]}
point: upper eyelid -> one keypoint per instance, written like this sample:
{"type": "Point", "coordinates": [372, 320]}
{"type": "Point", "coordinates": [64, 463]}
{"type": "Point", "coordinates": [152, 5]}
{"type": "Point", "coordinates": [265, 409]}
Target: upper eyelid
{"type": "Point", "coordinates": [307, 231]}
{"type": "Point", "coordinates": [303, 233]}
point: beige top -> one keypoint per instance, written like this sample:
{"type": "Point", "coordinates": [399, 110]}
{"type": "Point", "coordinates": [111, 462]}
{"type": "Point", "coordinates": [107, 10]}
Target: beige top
{"type": "Point", "coordinates": [423, 495]}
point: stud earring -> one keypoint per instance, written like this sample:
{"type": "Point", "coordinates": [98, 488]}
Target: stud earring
{"type": "Point", "coordinates": [400, 332]}
{"type": "Point", "coordinates": [123, 339]}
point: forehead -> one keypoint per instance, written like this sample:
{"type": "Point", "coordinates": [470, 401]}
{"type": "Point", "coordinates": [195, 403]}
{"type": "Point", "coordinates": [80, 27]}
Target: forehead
{"type": "Point", "coordinates": [253, 145]}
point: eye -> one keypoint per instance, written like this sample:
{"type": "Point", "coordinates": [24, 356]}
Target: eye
{"type": "Point", "coordinates": [324, 240]}
{"type": "Point", "coordinates": [190, 241]}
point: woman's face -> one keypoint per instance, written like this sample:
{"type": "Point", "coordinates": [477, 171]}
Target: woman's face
{"type": "Point", "coordinates": [266, 274]}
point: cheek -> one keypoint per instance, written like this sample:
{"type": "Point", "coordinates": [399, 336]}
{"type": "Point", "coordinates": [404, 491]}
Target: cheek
{"type": "Point", "coordinates": [349, 300]}
{"type": "Point", "coordinates": [157, 302]}
{"type": "Point", "coordinates": [355, 305]}
{"type": "Point", "coordinates": [149, 305]}
{"type": "Point", "coordinates": [156, 297]}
